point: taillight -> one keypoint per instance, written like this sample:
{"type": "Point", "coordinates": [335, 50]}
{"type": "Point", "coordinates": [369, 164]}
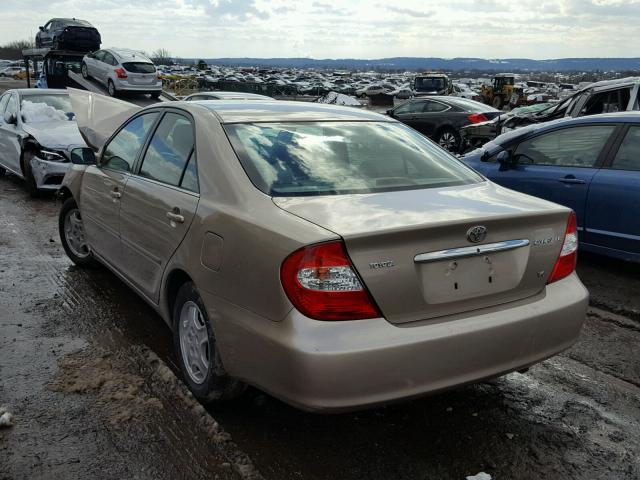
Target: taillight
{"type": "Point", "coordinates": [322, 284]}
{"type": "Point", "coordinates": [120, 72]}
{"type": "Point", "coordinates": [477, 118]}
{"type": "Point", "coordinates": [566, 263]}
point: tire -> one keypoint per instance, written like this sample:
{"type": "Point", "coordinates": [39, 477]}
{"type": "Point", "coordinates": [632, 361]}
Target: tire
{"type": "Point", "coordinates": [32, 186]}
{"type": "Point", "coordinates": [72, 235]}
{"type": "Point", "coordinates": [155, 95]}
{"type": "Point", "coordinates": [85, 71]}
{"type": "Point", "coordinates": [201, 367]}
{"type": "Point", "coordinates": [449, 140]}
{"type": "Point", "coordinates": [497, 102]}
{"type": "Point", "coordinates": [111, 89]}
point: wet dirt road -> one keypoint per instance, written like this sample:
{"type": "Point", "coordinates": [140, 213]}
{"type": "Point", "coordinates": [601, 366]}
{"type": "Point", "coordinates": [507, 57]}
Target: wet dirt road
{"type": "Point", "coordinates": [86, 368]}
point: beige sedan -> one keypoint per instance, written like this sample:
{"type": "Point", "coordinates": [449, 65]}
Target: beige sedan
{"type": "Point", "coordinates": [332, 257]}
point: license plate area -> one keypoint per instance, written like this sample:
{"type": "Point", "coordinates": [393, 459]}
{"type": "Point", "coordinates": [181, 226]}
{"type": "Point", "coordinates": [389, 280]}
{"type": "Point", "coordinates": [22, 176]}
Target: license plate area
{"type": "Point", "coordinates": [456, 279]}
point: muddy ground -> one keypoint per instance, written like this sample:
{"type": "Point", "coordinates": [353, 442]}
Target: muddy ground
{"type": "Point", "coordinates": [87, 371]}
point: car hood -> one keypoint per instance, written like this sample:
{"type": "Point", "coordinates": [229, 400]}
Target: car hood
{"type": "Point", "coordinates": [55, 135]}
{"type": "Point", "coordinates": [98, 116]}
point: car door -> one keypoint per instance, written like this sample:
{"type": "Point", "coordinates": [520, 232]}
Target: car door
{"type": "Point", "coordinates": [4, 99]}
{"type": "Point", "coordinates": [104, 184]}
{"type": "Point", "coordinates": [158, 204]}
{"type": "Point", "coordinates": [99, 67]}
{"type": "Point", "coordinates": [10, 150]}
{"type": "Point", "coordinates": [611, 216]}
{"type": "Point", "coordinates": [407, 113]}
{"type": "Point", "coordinates": [431, 117]}
{"type": "Point", "coordinates": [557, 165]}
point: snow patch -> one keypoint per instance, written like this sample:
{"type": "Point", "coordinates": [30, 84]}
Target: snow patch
{"type": "Point", "coordinates": [479, 476]}
{"type": "Point", "coordinates": [41, 112]}
{"type": "Point", "coordinates": [6, 419]}
{"type": "Point", "coordinates": [335, 98]}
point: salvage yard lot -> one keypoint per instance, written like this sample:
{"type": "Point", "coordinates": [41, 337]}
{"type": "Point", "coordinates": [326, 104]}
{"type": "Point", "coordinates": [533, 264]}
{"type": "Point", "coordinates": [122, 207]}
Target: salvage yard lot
{"type": "Point", "coordinates": [90, 396]}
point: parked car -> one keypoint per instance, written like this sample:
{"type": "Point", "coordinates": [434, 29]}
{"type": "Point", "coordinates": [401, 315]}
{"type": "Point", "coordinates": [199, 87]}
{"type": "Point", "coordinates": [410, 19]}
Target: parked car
{"type": "Point", "coordinates": [590, 164]}
{"type": "Point", "coordinates": [218, 95]}
{"type": "Point", "coordinates": [441, 118]}
{"type": "Point", "coordinates": [68, 34]}
{"type": "Point", "coordinates": [477, 134]}
{"type": "Point", "coordinates": [599, 97]}
{"type": "Point", "coordinates": [122, 70]}
{"type": "Point", "coordinates": [330, 256]}
{"type": "Point", "coordinates": [37, 134]}
{"type": "Point", "coordinates": [462, 90]}
{"type": "Point", "coordinates": [12, 71]}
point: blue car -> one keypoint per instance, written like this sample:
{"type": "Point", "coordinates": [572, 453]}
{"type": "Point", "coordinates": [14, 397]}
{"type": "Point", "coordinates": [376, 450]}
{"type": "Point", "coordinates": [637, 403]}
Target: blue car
{"type": "Point", "coordinates": [590, 164]}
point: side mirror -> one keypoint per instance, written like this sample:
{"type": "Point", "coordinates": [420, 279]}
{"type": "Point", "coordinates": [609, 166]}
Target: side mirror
{"type": "Point", "coordinates": [41, 28]}
{"type": "Point", "coordinates": [83, 156]}
{"type": "Point", "coordinates": [10, 118]}
{"type": "Point", "coordinates": [505, 160]}
{"type": "Point", "coordinates": [390, 112]}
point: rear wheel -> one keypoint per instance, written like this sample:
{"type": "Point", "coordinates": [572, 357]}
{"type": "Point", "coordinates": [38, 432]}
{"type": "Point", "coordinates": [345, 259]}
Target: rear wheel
{"type": "Point", "coordinates": [111, 88]}
{"type": "Point", "coordinates": [449, 140]}
{"type": "Point", "coordinates": [72, 235]}
{"type": "Point", "coordinates": [195, 347]}
{"type": "Point", "coordinates": [155, 94]}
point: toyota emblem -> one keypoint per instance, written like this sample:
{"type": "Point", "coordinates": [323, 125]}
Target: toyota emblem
{"type": "Point", "coordinates": [477, 234]}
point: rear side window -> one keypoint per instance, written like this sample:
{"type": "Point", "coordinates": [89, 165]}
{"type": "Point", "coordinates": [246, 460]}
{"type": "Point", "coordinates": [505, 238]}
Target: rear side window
{"type": "Point", "coordinates": [628, 156]}
{"type": "Point", "coordinates": [169, 150]}
{"type": "Point", "coordinates": [410, 107]}
{"type": "Point", "coordinates": [190, 177]}
{"type": "Point", "coordinates": [121, 152]}
{"type": "Point", "coordinates": [433, 107]}
{"type": "Point", "coordinates": [570, 147]}
{"type": "Point", "coordinates": [139, 67]}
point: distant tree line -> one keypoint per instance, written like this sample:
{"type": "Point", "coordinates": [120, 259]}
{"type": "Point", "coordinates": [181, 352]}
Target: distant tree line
{"type": "Point", "coordinates": [13, 50]}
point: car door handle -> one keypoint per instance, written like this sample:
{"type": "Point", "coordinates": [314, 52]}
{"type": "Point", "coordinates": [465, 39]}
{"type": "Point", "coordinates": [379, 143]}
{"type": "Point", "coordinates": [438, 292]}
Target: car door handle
{"type": "Point", "coordinates": [572, 180]}
{"type": "Point", "coordinates": [175, 217]}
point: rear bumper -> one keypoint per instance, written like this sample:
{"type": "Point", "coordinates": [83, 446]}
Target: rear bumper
{"type": "Point", "coordinates": [124, 86]}
{"type": "Point", "coordinates": [333, 366]}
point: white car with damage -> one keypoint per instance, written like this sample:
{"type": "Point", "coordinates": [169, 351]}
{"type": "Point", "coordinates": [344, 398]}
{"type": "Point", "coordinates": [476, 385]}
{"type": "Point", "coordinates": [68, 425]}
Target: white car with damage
{"type": "Point", "coordinates": [37, 134]}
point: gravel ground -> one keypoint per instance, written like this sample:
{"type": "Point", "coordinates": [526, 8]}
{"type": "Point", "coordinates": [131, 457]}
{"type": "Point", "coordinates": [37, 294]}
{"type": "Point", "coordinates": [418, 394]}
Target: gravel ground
{"type": "Point", "coordinates": [87, 371]}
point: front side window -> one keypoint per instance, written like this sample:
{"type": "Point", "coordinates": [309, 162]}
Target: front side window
{"type": "Point", "coordinates": [169, 150]}
{"type": "Point", "coordinates": [570, 147]}
{"type": "Point", "coordinates": [628, 156]}
{"type": "Point", "coordinates": [121, 152]}
{"type": "Point", "coordinates": [329, 158]}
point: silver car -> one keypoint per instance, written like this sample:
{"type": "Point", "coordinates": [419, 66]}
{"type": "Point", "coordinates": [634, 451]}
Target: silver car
{"type": "Point", "coordinates": [37, 134]}
{"type": "Point", "coordinates": [332, 257]}
{"type": "Point", "coordinates": [122, 70]}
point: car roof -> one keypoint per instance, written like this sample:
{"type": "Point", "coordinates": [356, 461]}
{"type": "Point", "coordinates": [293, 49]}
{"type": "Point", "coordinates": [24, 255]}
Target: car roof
{"type": "Point", "coordinates": [128, 54]}
{"type": "Point", "coordinates": [248, 111]}
{"type": "Point", "coordinates": [232, 95]}
{"type": "Point", "coordinates": [615, 117]}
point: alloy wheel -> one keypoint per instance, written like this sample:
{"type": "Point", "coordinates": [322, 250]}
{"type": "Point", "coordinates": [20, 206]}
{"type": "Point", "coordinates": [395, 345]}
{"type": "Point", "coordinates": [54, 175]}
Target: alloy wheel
{"type": "Point", "coordinates": [448, 141]}
{"type": "Point", "coordinates": [74, 234]}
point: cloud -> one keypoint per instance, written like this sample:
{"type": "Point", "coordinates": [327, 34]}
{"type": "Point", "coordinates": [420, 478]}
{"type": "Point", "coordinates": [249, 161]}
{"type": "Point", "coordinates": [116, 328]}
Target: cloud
{"type": "Point", "coordinates": [234, 9]}
{"type": "Point", "coordinates": [409, 11]}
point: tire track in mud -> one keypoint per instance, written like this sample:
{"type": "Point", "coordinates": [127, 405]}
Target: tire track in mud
{"type": "Point", "coordinates": [66, 295]}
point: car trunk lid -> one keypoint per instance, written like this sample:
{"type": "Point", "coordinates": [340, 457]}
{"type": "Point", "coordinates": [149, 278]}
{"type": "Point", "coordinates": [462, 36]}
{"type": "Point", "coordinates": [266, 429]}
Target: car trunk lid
{"type": "Point", "coordinates": [412, 248]}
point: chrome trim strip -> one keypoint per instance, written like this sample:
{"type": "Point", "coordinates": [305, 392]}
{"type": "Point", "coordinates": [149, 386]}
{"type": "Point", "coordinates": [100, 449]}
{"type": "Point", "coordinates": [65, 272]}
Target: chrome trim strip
{"type": "Point", "coordinates": [471, 251]}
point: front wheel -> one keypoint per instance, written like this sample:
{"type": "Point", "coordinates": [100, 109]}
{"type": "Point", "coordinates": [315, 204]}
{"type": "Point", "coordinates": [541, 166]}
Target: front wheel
{"type": "Point", "coordinates": [449, 140]}
{"type": "Point", "coordinates": [72, 235]}
{"type": "Point", "coordinates": [32, 185]}
{"type": "Point", "coordinates": [195, 347]}
{"type": "Point", "coordinates": [85, 71]}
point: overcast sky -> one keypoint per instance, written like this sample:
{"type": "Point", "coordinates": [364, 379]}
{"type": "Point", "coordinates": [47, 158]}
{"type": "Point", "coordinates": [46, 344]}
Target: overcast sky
{"type": "Point", "coordinates": [347, 29]}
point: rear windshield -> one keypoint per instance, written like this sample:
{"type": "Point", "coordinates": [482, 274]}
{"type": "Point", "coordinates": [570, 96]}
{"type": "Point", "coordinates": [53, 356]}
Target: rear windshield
{"type": "Point", "coordinates": [139, 67]}
{"type": "Point", "coordinates": [470, 105]}
{"type": "Point", "coordinates": [329, 158]}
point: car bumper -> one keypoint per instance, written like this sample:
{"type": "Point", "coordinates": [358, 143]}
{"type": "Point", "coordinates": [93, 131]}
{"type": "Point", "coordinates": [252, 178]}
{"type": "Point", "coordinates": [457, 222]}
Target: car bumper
{"type": "Point", "coordinates": [48, 175]}
{"type": "Point", "coordinates": [125, 86]}
{"type": "Point", "coordinates": [334, 366]}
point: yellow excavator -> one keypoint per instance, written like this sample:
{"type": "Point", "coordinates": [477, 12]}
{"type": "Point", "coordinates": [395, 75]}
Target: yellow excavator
{"type": "Point", "coordinates": [502, 92]}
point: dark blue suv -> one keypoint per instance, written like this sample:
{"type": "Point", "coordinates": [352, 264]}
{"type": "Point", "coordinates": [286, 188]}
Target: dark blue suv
{"type": "Point", "coordinates": [590, 164]}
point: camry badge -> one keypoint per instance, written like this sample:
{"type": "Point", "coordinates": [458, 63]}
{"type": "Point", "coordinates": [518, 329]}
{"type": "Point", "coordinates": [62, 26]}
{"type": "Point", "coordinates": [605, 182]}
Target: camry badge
{"type": "Point", "coordinates": [477, 234]}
